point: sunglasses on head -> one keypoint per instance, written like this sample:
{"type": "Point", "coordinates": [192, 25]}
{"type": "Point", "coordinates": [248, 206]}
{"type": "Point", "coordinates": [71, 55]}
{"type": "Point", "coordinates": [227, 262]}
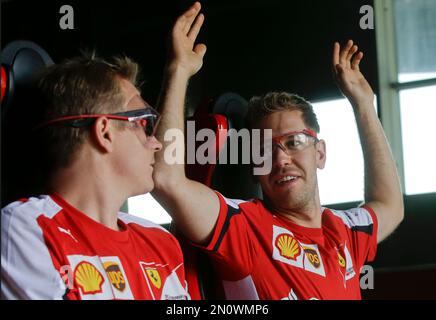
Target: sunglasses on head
{"type": "Point", "coordinates": [147, 118]}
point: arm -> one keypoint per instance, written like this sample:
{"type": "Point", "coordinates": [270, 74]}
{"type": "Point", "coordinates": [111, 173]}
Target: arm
{"type": "Point", "coordinates": [382, 187]}
{"type": "Point", "coordinates": [193, 206]}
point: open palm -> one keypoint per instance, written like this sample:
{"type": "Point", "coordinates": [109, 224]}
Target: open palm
{"type": "Point", "coordinates": [184, 53]}
{"type": "Point", "coordinates": [347, 74]}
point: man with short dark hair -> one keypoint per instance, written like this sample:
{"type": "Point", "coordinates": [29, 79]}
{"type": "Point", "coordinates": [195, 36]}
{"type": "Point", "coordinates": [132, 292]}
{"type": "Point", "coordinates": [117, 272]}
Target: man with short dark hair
{"type": "Point", "coordinates": [73, 243]}
{"type": "Point", "coordinates": [286, 246]}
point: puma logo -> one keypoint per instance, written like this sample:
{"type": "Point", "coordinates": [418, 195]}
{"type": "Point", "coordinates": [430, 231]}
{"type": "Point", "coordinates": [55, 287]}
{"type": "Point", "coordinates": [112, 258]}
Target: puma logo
{"type": "Point", "coordinates": [67, 231]}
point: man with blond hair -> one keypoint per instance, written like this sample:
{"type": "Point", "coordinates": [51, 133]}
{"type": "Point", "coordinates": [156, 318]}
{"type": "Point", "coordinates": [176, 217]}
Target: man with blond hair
{"type": "Point", "coordinates": [98, 147]}
{"type": "Point", "coordinates": [286, 246]}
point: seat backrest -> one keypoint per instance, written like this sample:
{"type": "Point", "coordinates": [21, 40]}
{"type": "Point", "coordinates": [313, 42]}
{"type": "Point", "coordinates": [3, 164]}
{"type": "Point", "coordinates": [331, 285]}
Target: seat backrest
{"type": "Point", "coordinates": [219, 125]}
{"type": "Point", "coordinates": [234, 180]}
{"type": "Point", "coordinates": [224, 115]}
{"type": "Point", "coordinates": [21, 63]}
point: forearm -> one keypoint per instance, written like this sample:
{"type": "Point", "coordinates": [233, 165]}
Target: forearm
{"type": "Point", "coordinates": [382, 184]}
{"type": "Point", "coordinates": [193, 206]}
{"type": "Point", "coordinates": [172, 117]}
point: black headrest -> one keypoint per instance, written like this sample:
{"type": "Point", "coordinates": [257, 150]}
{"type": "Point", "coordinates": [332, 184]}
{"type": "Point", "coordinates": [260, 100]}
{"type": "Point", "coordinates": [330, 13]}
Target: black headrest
{"type": "Point", "coordinates": [233, 106]}
{"type": "Point", "coordinates": [234, 181]}
{"type": "Point", "coordinates": [21, 61]}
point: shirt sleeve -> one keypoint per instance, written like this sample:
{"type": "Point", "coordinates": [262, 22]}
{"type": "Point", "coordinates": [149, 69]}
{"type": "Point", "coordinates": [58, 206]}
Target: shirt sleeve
{"type": "Point", "coordinates": [27, 269]}
{"type": "Point", "coordinates": [230, 247]}
{"type": "Point", "coordinates": [372, 243]}
{"type": "Point", "coordinates": [362, 228]}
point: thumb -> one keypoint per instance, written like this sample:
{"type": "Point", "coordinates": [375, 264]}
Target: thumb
{"type": "Point", "coordinates": [200, 49]}
{"type": "Point", "coordinates": [339, 69]}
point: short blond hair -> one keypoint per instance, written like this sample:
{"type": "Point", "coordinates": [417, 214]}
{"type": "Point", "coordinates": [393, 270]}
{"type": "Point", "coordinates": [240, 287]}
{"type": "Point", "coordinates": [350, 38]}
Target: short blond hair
{"type": "Point", "coordinates": [83, 85]}
{"type": "Point", "coordinates": [262, 106]}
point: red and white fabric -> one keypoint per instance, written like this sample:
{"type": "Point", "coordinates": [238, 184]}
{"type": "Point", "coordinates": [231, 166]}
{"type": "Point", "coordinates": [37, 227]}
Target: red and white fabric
{"type": "Point", "coordinates": [51, 250]}
{"type": "Point", "coordinates": [259, 255]}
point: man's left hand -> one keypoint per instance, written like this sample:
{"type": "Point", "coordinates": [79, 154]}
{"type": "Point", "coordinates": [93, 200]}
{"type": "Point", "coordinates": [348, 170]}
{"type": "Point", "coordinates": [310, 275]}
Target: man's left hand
{"type": "Point", "coordinates": [347, 74]}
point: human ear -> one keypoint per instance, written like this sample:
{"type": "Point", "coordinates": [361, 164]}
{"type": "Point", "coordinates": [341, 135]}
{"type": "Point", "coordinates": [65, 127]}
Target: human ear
{"type": "Point", "coordinates": [320, 154]}
{"type": "Point", "coordinates": [102, 133]}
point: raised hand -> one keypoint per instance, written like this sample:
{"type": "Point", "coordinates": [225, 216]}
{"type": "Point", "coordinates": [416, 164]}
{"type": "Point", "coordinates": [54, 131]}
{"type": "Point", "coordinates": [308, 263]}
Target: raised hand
{"type": "Point", "coordinates": [183, 53]}
{"type": "Point", "coordinates": [347, 74]}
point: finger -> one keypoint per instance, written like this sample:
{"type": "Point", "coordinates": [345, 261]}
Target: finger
{"type": "Point", "coordinates": [344, 52]}
{"type": "Point", "coordinates": [189, 16]}
{"type": "Point", "coordinates": [339, 69]}
{"type": "Point", "coordinates": [185, 20]}
{"type": "Point", "coordinates": [356, 61]}
{"type": "Point", "coordinates": [335, 57]}
{"type": "Point", "coordinates": [195, 29]}
{"type": "Point", "coordinates": [200, 49]}
{"type": "Point", "coordinates": [337, 73]}
{"type": "Point", "coordinates": [352, 51]}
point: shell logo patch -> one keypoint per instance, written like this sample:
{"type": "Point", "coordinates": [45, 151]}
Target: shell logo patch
{"type": "Point", "coordinates": [88, 278]}
{"type": "Point", "coordinates": [154, 277]}
{"type": "Point", "coordinates": [287, 249]}
{"type": "Point", "coordinates": [115, 275]}
{"type": "Point", "coordinates": [288, 246]}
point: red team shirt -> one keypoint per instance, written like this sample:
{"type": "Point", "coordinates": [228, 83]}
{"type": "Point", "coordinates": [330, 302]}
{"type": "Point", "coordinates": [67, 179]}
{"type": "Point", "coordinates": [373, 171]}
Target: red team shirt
{"type": "Point", "coordinates": [50, 250]}
{"type": "Point", "coordinates": [264, 256]}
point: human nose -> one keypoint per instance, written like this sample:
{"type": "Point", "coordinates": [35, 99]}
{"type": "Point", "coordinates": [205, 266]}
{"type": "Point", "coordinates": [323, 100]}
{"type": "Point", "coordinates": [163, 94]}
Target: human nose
{"type": "Point", "coordinates": [155, 144]}
{"type": "Point", "coordinates": [281, 156]}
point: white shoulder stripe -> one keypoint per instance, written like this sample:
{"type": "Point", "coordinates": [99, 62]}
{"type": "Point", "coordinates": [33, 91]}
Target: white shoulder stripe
{"type": "Point", "coordinates": [234, 203]}
{"type": "Point", "coordinates": [34, 207]}
{"type": "Point", "coordinates": [26, 265]}
{"type": "Point", "coordinates": [130, 218]}
{"type": "Point", "coordinates": [356, 217]}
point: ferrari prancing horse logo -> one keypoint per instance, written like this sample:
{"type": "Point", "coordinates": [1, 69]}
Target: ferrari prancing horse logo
{"type": "Point", "coordinates": [154, 277]}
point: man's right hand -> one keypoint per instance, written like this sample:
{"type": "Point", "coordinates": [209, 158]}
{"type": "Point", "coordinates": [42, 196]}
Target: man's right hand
{"type": "Point", "coordinates": [193, 206]}
{"type": "Point", "coordinates": [184, 53]}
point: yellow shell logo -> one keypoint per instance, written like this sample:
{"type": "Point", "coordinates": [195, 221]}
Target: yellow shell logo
{"type": "Point", "coordinates": [88, 278]}
{"type": "Point", "coordinates": [154, 277]}
{"type": "Point", "coordinates": [341, 260]}
{"type": "Point", "coordinates": [288, 246]}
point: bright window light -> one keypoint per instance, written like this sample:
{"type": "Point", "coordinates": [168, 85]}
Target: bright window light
{"type": "Point", "coordinates": [413, 76]}
{"type": "Point", "coordinates": [146, 207]}
{"type": "Point", "coordinates": [415, 30]}
{"type": "Point", "coordinates": [342, 179]}
{"type": "Point", "coordinates": [418, 115]}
